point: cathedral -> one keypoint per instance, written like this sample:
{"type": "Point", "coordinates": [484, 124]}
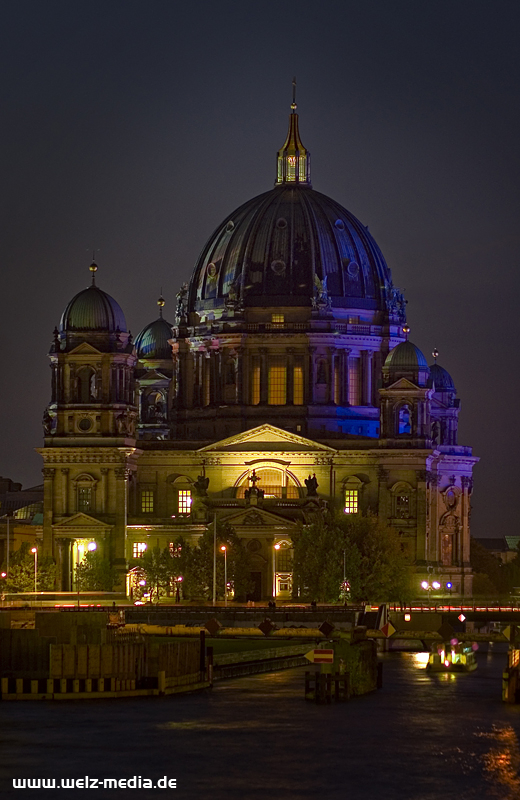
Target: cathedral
{"type": "Point", "coordinates": [284, 383]}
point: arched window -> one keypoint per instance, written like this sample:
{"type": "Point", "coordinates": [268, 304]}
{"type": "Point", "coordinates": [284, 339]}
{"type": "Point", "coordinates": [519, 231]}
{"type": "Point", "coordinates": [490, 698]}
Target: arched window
{"type": "Point", "coordinates": [86, 385]}
{"type": "Point", "coordinates": [273, 482]}
{"type": "Point", "coordinates": [85, 486]}
{"type": "Point", "coordinates": [403, 495]}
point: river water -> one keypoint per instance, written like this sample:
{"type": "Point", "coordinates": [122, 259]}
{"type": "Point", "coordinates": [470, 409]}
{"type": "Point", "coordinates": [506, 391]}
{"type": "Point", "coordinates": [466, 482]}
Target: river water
{"type": "Point", "coordinates": [422, 737]}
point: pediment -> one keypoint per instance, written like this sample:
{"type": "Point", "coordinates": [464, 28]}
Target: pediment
{"type": "Point", "coordinates": [403, 384]}
{"type": "Point", "coordinates": [85, 349]}
{"type": "Point", "coordinates": [152, 376]}
{"type": "Point", "coordinates": [266, 437]}
{"type": "Point", "coordinates": [81, 520]}
{"type": "Point", "coordinates": [257, 517]}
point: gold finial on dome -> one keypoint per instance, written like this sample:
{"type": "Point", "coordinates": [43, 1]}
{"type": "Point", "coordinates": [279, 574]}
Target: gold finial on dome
{"type": "Point", "coordinates": [406, 331]}
{"type": "Point", "coordinates": [160, 303]}
{"type": "Point", "coordinates": [93, 268]}
{"type": "Point", "coordinates": [293, 160]}
{"type": "Point", "coordinates": [435, 354]}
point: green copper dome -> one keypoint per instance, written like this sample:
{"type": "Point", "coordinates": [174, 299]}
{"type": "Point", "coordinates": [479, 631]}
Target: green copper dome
{"type": "Point", "coordinates": [152, 341]}
{"type": "Point", "coordinates": [406, 356]}
{"type": "Point", "coordinates": [93, 310]}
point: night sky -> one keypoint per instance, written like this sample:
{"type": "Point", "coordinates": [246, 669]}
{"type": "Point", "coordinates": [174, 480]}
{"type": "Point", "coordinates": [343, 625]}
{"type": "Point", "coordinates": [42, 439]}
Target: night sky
{"type": "Point", "coordinates": [134, 128]}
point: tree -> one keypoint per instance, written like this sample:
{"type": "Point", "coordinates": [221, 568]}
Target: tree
{"type": "Point", "coordinates": [384, 574]}
{"type": "Point", "coordinates": [160, 568]}
{"type": "Point", "coordinates": [485, 563]}
{"type": "Point", "coordinates": [95, 573]}
{"type": "Point", "coordinates": [375, 565]}
{"type": "Point", "coordinates": [198, 564]}
{"type": "Point", "coordinates": [321, 552]}
{"type": "Point", "coordinates": [20, 577]}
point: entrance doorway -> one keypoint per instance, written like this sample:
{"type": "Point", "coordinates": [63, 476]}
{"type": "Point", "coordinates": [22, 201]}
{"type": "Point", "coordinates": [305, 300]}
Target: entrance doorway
{"type": "Point", "coordinates": [256, 592]}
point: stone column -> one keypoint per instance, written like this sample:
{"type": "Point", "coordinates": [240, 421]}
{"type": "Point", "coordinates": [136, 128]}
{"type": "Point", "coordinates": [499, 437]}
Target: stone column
{"type": "Point", "coordinates": [65, 491]}
{"type": "Point", "coordinates": [242, 376]}
{"type": "Point", "coordinates": [421, 514]}
{"type": "Point", "coordinates": [104, 490]}
{"type": "Point", "coordinates": [289, 398]}
{"type": "Point", "coordinates": [48, 509]}
{"type": "Point", "coordinates": [264, 394]}
{"type": "Point", "coordinates": [345, 389]}
{"type": "Point", "coordinates": [64, 563]}
{"type": "Point", "coordinates": [311, 376]}
{"type": "Point", "coordinates": [367, 377]}
{"type": "Point", "coordinates": [119, 533]}
{"type": "Point", "coordinates": [332, 374]}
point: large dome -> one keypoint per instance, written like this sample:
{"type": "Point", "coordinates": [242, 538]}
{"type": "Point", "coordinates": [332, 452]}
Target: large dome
{"type": "Point", "coordinates": [93, 310]}
{"type": "Point", "coordinates": [289, 245]}
{"type": "Point", "coordinates": [268, 251]}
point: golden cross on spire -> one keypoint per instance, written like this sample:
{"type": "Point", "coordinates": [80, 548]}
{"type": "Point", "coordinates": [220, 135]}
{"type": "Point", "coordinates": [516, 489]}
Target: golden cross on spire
{"type": "Point", "coordinates": [293, 104]}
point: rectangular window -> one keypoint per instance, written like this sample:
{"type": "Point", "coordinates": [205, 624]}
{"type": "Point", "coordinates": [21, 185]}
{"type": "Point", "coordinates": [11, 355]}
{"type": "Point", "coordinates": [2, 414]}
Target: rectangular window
{"type": "Point", "coordinates": [351, 501]}
{"type": "Point", "coordinates": [255, 383]}
{"type": "Point", "coordinates": [277, 320]}
{"type": "Point", "coordinates": [175, 549]}
{"type": "Point", "coordinates": [277, 394]}
{"type": "Point", "coordinates": [85, 499]}
{"type": "Point", "coordinates": [147, 501]}
{"type": "Point", "coordinates": [353, 381]}
{"type": "Point", "coordinates": [184, 501]}
{"type": "Point", "coordinates": [298, 385]}
{"type": "Point", "coordinates": [138, 548]}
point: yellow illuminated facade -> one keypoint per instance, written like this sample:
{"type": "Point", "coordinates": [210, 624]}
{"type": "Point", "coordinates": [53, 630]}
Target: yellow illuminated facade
{"type": "Point", "coordinates": [287, 364]}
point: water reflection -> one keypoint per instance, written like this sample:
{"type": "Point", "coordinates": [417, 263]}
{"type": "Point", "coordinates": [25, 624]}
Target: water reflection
{"type": "Point", "coordinates": [502, 763]}
{"type": "Point", "coordinates": [420, 660]}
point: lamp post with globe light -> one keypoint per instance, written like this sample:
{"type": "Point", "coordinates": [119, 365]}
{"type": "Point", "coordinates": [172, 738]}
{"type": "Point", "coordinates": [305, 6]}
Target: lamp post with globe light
{"type": "Point", "coordinates": [224, 550]}
{"type": "Point", "coordinates": [275, 548]}
{"type": "Point", "coordinates": [35, 551]}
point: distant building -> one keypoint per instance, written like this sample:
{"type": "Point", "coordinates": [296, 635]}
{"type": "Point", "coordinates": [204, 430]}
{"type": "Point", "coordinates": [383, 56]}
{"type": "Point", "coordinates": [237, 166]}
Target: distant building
{"type": "Point", "coordinates": [505, 548]}
{"type": "Point", "coordinates": [285, 382]}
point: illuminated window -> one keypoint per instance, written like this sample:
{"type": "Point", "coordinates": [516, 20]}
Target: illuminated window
{"type": "Point", "coordinates": [184, 501]}
{"type": "Point", "coordinates": [298, 386]}
{"type": "Point", "coordinates": [255, 384]}
{"type": "Point", "coordinates": [273, 482]}
{"type": "Point", "coordinates": [175, 549]}
{"type": "Point", "coordinates": [353, 381]}
{"type": "Point", "coordinates": [277, 388]}
{"type": "Point", "coordinates": [138, 548]}
{"type": "Point", "coordinates": [277, 320]}
{"type": "Point", "coordinates": [85, 499]}
{"type": "Point", "coordinates": [402, 506]}
{"type": "Point", "coordinates": [283, 560]}
{"type": "Point", "coordinates": [351, 501]}
{"type": "Point", "coordinates": [147, 501]}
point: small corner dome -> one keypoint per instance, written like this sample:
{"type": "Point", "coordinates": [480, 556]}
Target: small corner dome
{"type": "Point", "coordinates": [152, 341]}
{"type": "Point", "coordinates": [93, 310]}
{"type": "Point", "coordinates": [440, 379]}
{"type": "Point", "coordinates": [406, 356]}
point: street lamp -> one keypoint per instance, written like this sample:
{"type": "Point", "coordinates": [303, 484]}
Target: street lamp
{"type": "Point", "coordinates": [92, 546]}
{"type": "Point", "coordinates": [275, 548]}
{"type": "Point", "coordinates": [35, 551]}
{"type": "Point", "coordinates": [224, 550]}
